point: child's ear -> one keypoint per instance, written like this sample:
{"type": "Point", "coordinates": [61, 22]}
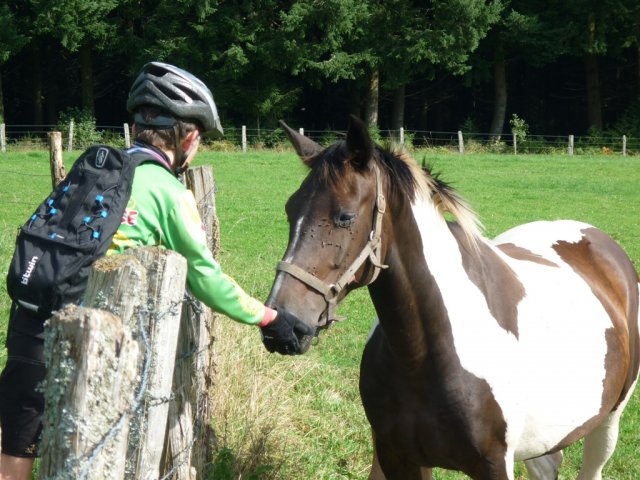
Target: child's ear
{"type": "Point", "coordinates": [191, 140]}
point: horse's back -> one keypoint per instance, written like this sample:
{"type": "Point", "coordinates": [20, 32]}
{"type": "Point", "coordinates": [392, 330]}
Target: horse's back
{"type": "Point", "coordinates": [578, 322]}
{"type": "Point", "coordinates": [592, 256]}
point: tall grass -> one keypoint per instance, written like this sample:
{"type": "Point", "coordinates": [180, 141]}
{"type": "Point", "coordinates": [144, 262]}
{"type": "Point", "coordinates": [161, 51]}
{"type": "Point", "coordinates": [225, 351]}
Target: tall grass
{"type": "Point", "coordinates": [300, 417]}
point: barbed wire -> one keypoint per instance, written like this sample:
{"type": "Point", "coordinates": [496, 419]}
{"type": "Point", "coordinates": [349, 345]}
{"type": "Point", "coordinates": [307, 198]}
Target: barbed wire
{"type": "Point", "coordinates": [143, 400]}
{"type": "Point", "coordinates": [22, 174]}
{"type": "Point", "coordinates": [139, 399]}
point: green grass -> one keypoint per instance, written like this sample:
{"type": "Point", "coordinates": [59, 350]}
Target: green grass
{"type": "Point", "coordinates": [301, 418]}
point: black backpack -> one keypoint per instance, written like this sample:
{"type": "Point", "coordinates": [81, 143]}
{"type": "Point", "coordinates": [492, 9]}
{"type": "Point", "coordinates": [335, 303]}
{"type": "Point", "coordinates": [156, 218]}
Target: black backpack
{"type": "Point", "coordinates": [71, 229]}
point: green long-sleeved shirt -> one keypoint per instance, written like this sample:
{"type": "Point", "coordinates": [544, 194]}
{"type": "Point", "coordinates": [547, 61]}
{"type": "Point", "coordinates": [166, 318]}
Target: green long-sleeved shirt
{"type": "Point", "coordinates": [161, 211]}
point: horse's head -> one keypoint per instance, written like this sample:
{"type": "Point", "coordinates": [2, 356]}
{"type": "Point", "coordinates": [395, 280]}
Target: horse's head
{"type": "Point", "coordinates": [335, 227]}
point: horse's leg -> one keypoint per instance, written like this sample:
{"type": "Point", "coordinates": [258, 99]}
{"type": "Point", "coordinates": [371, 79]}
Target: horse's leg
{"type": "Point", "coordinates": [376, 470]}
{"type": "Point", "coordinates": [545, 467]}
{"type": "Point", "coordinates": [600, 442]}
{"type": "Point", "coordinates": [497, 465]}
{"type": "Point", "coordinates": [397, 468]}
{"type": "Point", "coordinates": [598, 447]}
{"type": "Point", "coordinates": [377, 473]}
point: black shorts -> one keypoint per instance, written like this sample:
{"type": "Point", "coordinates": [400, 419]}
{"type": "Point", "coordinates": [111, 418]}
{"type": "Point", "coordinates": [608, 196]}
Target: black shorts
{"type": "Point", "coordinates": [21, 402]}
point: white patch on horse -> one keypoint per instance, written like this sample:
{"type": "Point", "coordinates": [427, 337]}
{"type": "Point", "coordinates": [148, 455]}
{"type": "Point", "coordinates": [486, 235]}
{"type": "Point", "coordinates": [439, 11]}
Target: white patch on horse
{"type": "Point", "coordinates": [545, 387]}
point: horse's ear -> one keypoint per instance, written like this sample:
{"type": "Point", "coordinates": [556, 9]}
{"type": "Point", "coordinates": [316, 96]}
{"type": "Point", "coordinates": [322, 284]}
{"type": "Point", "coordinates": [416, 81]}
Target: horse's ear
{"type": "Point", "coordinates": [359, 142]}
{"type": "Point", "coordinates": [304, 146]}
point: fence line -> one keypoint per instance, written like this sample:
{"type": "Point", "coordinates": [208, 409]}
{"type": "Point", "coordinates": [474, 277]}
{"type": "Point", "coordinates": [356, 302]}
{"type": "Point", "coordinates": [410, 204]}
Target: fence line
{"type": "Point", "coordinates": [132, 396]}
{"type": "Point", "coordinates": [244, 138]}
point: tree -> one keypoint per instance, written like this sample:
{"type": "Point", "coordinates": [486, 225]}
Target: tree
{"type": "Point", "coordinates": [11, 42]}
{"type": "Point", "coordinates": [421, 37]}
{"type": "Point", "coordinates": [597, 29]}
{"type": "Point", "coordinates": [81, 26]}
{"type": "Point", "coordinates": [526, 32]}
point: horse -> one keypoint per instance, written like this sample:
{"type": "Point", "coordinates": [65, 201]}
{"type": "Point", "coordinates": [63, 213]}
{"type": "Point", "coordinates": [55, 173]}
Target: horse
{"type": "Point", "coordinates": [485, 352]}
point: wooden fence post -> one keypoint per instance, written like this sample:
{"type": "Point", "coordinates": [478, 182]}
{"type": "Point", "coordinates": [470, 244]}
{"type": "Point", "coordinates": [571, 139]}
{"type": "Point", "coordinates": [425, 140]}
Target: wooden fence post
{"type": "Point", "coordinates": [244, 138]}
{"type": "Point", "coordinates": [70, 139]}
{"type": "Point", "coordinates": [624, 145]}
{"type": "Point", "coordinates": [515, 143]}
{"type": "Point", "coordinates": [3, 137]}
{"type": "Point", "coordinates": [55, 158]}
{"type": "Point", "coordinates": [127, 136]}
{"type": "Point", "coordinates": [460, 143]}
{"type": "Point", "coordinates": [166, 278]}
{"type": "Point", "coordinates": [570, 149]}
{"type": "Point", "coordinates": [89, 392]}
{"type": "Point", "coordinates": [401, 135]}
{"type": "Point", "coordinates": [145, 286]}
{"type": "Point", "coordinates": [118, 284]}
{"type": "Point", "coordinates": [188, 431]}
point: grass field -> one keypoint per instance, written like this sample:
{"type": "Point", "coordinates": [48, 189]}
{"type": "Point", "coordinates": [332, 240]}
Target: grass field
{"type": "Point", "coordinates": [301, 418]}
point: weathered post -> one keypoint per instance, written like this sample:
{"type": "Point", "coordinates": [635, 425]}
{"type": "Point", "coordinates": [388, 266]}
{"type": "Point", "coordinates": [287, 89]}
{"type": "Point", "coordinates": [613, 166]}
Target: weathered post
{"type": "Point", "coordinates": [118, 284]}
{"type": "Point", "coordinates": [624, 145]}
{"type": "Point", "coordinates": [201, 182]}
{"type": "Point", "coordinates": [55, 158]}
{"type": "Point", "coordinates": [70, 139]}
{"type": "Point", "coordinates": [166, 278]}
{"type": "Point", "coordinates": [3, 137]}
{"type": "Point", "coordinates": [401, 135]}
{"type": "Point", "coordinates": [145, 286]}
{"type": "Point", "coordinates": [570, 149]}
{"type": "Point", "coordinates": [515, 143]}
{"type": "Point", "coordinates": [188, 430]}
{"type": "Point", "coordinates": [460, 143]}
{"type": "Point", "coordinates": [89, 393]}
{"type": "Point", "coordinates": [244, 138]}
{"type": "Point", "coordinates": [127, 136]}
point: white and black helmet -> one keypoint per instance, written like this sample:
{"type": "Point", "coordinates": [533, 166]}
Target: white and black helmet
{"type": "Point", "coordinates": [177, 92]}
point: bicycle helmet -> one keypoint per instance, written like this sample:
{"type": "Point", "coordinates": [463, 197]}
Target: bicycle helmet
{"type": "Point", "coordinates": [176, 91]}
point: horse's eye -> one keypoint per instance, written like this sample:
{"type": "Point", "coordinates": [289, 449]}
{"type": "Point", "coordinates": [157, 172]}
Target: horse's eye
{"type": "Point", "coordinates": [344, 219]}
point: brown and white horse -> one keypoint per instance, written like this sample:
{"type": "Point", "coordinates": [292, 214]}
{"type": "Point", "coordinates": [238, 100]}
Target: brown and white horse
{"type": "Point", "coordinates": [486, 352]}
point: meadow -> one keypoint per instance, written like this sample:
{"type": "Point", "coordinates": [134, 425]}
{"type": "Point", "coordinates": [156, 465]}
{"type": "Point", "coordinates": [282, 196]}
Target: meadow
{"type": "Point", "coordinates": [300, 417]}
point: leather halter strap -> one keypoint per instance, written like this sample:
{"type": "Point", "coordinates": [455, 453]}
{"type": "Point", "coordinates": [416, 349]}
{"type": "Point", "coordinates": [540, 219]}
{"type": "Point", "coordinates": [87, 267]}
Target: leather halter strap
{"type": "Point", "coordinates": [371, 252]}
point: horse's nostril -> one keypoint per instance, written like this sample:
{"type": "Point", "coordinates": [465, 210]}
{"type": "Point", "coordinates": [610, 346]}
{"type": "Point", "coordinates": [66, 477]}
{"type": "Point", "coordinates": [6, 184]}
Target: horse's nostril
{"type": "Point", "coordinates": [305, 343]}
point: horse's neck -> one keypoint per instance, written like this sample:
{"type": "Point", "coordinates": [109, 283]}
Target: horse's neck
{"type": "Point", "coordinates": [425, 260]}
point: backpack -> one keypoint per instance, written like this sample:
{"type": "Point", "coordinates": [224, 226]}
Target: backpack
{"type": "Point", "coordinates": [72, 228]}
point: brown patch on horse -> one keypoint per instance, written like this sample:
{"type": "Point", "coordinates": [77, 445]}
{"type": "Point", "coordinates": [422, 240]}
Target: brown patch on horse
{"type": "Point", "coordinates": [520, 253]}
{"type": "Point", "coordinates": [438, 414]}
{"type": "Point", "coordinates": [605, 267]}
{"type": "Point", "coordinates": [495, 279]}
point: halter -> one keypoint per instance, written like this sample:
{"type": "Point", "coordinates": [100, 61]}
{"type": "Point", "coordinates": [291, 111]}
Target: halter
{"type": "Point", "coordinates": [371, 252]}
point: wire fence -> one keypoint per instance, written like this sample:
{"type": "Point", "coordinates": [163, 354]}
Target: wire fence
{"type": "Point", "coordinates": [36, 137]}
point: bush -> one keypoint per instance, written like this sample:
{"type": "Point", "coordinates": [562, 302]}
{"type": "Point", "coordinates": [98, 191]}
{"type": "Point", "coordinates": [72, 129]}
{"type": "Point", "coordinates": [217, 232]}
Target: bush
{"type": "Point", "coordinates": [629, 123]}
{"type": "Point", "coordinates": [84, 127]}
{"type": "Point", "coordinates": [519, 128]}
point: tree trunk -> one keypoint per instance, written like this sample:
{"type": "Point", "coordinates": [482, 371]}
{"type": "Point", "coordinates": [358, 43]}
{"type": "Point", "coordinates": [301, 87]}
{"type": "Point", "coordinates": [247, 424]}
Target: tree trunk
{"type": "Point", "coordinates": [354, 94]}
{"type": "Point", "coordinates": [423, 116]}
{"type": "Point", "coordinates": [594, 103]}
{"type": "Point", "coordinates": [500, 89]}
{"type": "Point", "coordinates": [36, 72]}
{"type": "Point", "coordinates": [371, 107]}
{"type": "Point", "coordinates": [86, 78]}
{"type": "Point", "coordinates": [397, 113]}
{"type": "Point", "coordinates": [1, 100]}
{"type": "Point", "coordinates": [638, 71]}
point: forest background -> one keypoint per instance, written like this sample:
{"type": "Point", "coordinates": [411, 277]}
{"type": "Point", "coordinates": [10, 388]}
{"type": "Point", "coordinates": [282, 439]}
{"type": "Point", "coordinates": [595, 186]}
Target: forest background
{"type": "Point", "coordinates": [561, 66]}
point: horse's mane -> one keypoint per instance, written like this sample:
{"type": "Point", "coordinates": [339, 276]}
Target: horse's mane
{"type": "Point", "coordinates": [408, 179]}
{"type": "Point", "coordinates": [423, 182]}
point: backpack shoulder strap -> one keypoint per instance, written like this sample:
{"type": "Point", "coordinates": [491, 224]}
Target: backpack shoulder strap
{"type": "Point", "coordinates": [141, 153]}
